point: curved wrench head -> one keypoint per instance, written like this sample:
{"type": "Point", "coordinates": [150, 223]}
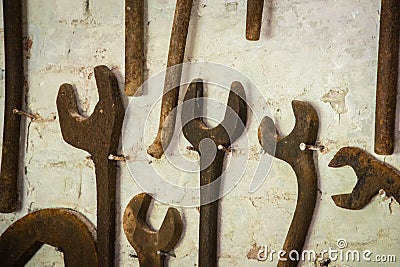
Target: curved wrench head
{"type": "Point", "coordinates": [225, 133]}
{"type": "Point", "coordinates": [139, 233]}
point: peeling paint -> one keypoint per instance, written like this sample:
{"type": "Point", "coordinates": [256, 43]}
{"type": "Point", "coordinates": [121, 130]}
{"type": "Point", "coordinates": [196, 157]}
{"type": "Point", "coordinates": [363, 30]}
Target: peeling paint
{"type": "Point", "coordinates": [337, 99]}
{"type": "Point", "coordinates": [253, 252]}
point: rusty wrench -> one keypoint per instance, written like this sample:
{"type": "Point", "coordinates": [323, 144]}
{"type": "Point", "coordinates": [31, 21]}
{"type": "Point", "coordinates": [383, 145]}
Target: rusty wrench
{"type": "Point", "coordinates": [65, 229]}
{"type": "Point", "coordinates": [372, 176]}
{"type": "Point", "coordinates": [12, 12]}
{"type": "Point", "coordinates": [151, 246]}
{"type": "Point", "coordinates": [224, 134]}
{"type": "Point", "coordinates": [98, 135]}
{"type": "Point", "coordinates": [288, 149]}
{"type": "Point", "coordinates": [172, 80]}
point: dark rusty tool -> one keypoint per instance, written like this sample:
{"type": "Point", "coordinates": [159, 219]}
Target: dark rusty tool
{"type": "Point", "coordinates": [134, 46]}
{"type": "Point", "coordinates": [372, 175]}
{"type": "Point", "coordinates": [151, 246]}
{"type": "Point", "coordinates": [172, 78]}
{"type": "Point", "coordinates": [223, 135]}
{"type": "Point", "coordinates": [65, 229]}
{"type": "Point", "coordinates": [288, 149]}
{"type": "Point", "coordinates": [386, 90]}
{"type": "Point", "coordinates": [99, 135]}
{"type": "Point", "coordinates": [13, 48]}
{"type": "Point", "coordinates": [254, 19]}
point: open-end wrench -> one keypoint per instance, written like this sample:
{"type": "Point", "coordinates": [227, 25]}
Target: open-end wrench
{"type": "Point", "coordinates": [205, 140]}
{"type": "Point", "coordinates": [372, 174]}
{"type": "Point", "coordinates": [172, 80]}
{"type": "Point", "coordinates": [13, 48]}
{"type": "Point", "coordinates": [65, 229]}
{"type": "Point", "coordinates": [288, 149]}
{"type": "Point", "coordinates": [99, 135]}
{"type": "Point", "coordinates": [151, 246]}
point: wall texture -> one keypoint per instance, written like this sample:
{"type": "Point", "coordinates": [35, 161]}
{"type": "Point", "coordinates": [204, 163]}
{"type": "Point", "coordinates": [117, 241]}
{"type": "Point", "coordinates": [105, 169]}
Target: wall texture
{"type": "Point", "coordinates": [320, 51]}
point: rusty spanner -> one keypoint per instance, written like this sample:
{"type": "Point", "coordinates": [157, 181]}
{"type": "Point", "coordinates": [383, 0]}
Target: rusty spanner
{"type": "Point", "coordinates": [12, 12]}
{"type": "Point", "coordinates": [151, 246]}
{"type": "Point", "coordinates": [66, 229]}
{"type": "Point", "coordinates": [288, 149]}
{"type": "Point", "coordinates": [98, 135]}
{"type": "Point", "coordinates": [372, 174]}
{"type": "Point", "coordinates": [223, 135]}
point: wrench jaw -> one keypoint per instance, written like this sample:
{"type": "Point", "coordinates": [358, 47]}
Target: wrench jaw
{"type": "Point", "coordinates": [302, 162]}
{"type": "Point", "coordinates": [65, 229]}
{"type": "Point", "coordinates": [149, 243]}
{"type": "Point", "coordinates": [372, 176]}
{"type": "Point", "coordinates": [225, 133]}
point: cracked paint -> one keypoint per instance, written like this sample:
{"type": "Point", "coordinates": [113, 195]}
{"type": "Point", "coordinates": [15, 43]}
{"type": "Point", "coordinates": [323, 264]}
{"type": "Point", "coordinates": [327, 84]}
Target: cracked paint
{"type": "Point", "coordinates": [337, 99]}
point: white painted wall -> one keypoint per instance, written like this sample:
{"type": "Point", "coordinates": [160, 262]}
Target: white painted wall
{"type": "Point", "coordinates": [324, 52]}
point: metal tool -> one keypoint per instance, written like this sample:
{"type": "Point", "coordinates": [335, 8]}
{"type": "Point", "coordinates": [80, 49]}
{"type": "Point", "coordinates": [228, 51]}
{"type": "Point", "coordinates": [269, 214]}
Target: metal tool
{"type": "Point", "coordinates": [302, 162]}
{"type": "Point", "coordinates": [200, 136]}
{"type": "Point", "coordinates": [172, 78]}
{"type": "Point", "coordinates": [14, 86]}
{"type": "Point", "coordinates": [151, 246]}
{"type": "Point", "coordinates": [254, 19]}
{"type": "Point", "coordinates": [65, 229]}
{"type": "Point", "coordinates": [372, 176]}
{"type": "Point", "coordinates": [386, 90]}
{"type": "Point", "coordinates": [134, 46]}
{"type": "Point", "coordinates": [99, 135]}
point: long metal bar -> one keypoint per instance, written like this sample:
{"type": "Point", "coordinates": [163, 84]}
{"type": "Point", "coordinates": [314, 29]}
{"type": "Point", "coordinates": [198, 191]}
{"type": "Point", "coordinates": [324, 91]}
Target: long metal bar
{"type": "Point", "coordinates": [134, 46]}
{"type": "Point", "coordinates": [12, 13]}
{"type": "Point", "coordinates": [386, 90]}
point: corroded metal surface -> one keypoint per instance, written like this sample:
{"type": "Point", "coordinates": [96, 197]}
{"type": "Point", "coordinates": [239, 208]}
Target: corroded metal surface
{"type": "Point", "coordinates": [224, 134]}
{"type": "Point", "coordinates": [12, 12]}
{"type": "Point", "coordinates": [386, 90]}
{"type": "Point", "coordinates": [99, 135]}
{"type": "Point", "coordinates": [372, 176]}
{"type": "Point", "coordinates": [134, 46]}
{"type": "Point", "coordinates": [302, 162]}
{"type": "Point", "coordinates": [172, 78]}
{"type": "Point", "coordinates": [150, 244]}
{"type": "Point", "coordinates": [65, 229]}
{"type": "Point", "coordinates": [254, 19]}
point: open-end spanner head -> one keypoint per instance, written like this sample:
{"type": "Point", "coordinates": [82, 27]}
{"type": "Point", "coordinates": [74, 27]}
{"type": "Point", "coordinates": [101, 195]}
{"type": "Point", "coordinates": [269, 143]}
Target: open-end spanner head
{"type": "Point", "coordinates": [288, 149]}
{"type": "Point", "coordinates": [151, 246]}
{"type": "Point", "coordinates": [372, 176]}
{"type": "Point", "coordinates": [66, 229]}
{"type": "Point", "coordinates": [225, 133]}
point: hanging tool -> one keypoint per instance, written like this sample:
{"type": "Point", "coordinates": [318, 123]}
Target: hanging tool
{"type": "Point", "coordinates": [288, 149]}
{"type": "Point", "coordinates": [65, 229]}
{"type": "Point", "coordinates": [254, 19]}
{"type": "Point", "coordinates": [172, 78]}
{"type": "Point", "coordinates": [372, 176]}
{"type": "Point", "coordinates": [134, 46]}
{"type": "Point", "coordinates": [99, 135]}
{"type": "Point", "coordinates": [151, 246]}
{"type": "Point", "coordinates": [14, 84]}
{"type": "Point", "coordinates": [386, 90]}
{"type": "Point", "coordinates": [205, 140]}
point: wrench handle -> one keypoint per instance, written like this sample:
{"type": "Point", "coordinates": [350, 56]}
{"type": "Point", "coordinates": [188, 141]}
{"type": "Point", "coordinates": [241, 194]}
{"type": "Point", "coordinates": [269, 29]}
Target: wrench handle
{"type": "Point", "coordinates": [208, 238]}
